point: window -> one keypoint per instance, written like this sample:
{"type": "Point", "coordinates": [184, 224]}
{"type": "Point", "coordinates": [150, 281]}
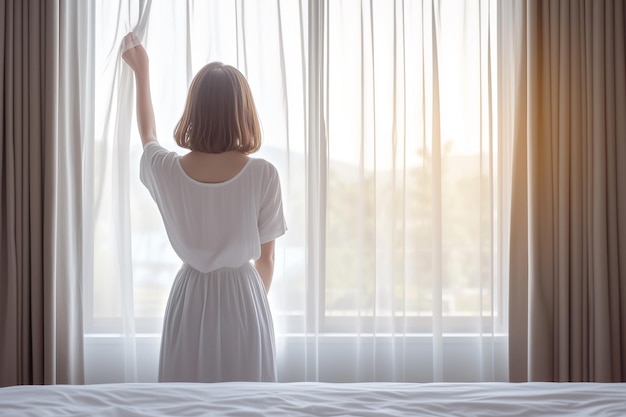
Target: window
{"type": "Point", "coordinates": [394, 210]}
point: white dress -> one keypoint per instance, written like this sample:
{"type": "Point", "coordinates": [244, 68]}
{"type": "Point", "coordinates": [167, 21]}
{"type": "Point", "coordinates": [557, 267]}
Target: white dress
{"type": "Point", "coordinates": [217, 325]}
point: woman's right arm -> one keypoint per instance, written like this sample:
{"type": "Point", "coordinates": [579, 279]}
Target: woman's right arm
{"type": "Point", "coordinates": [265, 264]}
{"type": "Point", "coordinates": [137, 58]}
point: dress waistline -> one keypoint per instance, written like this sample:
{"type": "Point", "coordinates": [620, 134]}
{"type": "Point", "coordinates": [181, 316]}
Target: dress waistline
{"type": "Point", "coordinates": [245, 265]}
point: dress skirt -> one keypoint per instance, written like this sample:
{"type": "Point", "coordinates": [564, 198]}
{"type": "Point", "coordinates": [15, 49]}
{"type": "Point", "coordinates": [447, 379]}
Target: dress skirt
{"type": "Point", "coordinates": [217, 327]}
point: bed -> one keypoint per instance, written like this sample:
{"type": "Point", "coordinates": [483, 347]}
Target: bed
{"type": "Point", "coordinates": [241, 399]}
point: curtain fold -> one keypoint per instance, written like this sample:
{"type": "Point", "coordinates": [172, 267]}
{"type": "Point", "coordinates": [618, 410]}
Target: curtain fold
{"type": "Point", "coordinates": [41, 202]}
{"type": "Point", "coordinates": [568, 287]}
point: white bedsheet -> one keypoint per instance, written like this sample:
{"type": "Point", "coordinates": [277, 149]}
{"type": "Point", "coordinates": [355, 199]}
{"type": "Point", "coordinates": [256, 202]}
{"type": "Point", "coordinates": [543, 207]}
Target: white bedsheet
{"type": "Point", "coordinates": [239, 399]}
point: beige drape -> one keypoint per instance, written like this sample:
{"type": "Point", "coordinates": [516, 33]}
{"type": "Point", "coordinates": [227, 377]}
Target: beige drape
{"type": "Point", "coordinates": [568, 237]}
{"type": "Point", "coordinates": [40, 204]}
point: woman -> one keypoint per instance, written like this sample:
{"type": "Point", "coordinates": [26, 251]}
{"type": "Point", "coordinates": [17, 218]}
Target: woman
{"type": "Point", "coordinates": [222, 209]}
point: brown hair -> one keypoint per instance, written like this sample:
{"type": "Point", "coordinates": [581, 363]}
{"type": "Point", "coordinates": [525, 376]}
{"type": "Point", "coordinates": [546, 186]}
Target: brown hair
{"type": "Point", "coordinates": [219, 114]}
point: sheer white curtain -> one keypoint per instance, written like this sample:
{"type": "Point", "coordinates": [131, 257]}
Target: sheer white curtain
{"type": "Point", "coordinates": [133, 264]}
{"type": "Point", "coordinates": [109, 276]}
{"type": "Point", "coordinates": [380, 117]}
{"type": "Point", "coordinates": [411, 193]}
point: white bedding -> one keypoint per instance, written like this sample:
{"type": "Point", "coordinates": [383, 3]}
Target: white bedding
{"type": "Point", "coordinates": [316, 399]}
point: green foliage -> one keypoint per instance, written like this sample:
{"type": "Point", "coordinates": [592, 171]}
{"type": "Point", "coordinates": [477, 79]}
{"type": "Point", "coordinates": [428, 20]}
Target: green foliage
{"type": "Point", "coordinates": [381, 229]}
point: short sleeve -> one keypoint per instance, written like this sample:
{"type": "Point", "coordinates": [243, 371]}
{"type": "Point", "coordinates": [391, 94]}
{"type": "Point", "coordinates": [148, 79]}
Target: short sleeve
{"type": "Point", "coordinates": [271, 219]}
{"type": "Point", "coordinates": [155, 161]}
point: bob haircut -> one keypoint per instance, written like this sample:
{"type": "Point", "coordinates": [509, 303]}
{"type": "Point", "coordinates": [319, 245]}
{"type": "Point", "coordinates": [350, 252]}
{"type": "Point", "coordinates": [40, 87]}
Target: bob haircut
{"type": "Point", "coordinates": [219, 115]}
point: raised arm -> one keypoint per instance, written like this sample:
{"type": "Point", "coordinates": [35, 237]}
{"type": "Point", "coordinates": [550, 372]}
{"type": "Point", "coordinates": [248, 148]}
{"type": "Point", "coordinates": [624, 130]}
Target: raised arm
{"type": "Point", "coordinates": [137, 59]}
